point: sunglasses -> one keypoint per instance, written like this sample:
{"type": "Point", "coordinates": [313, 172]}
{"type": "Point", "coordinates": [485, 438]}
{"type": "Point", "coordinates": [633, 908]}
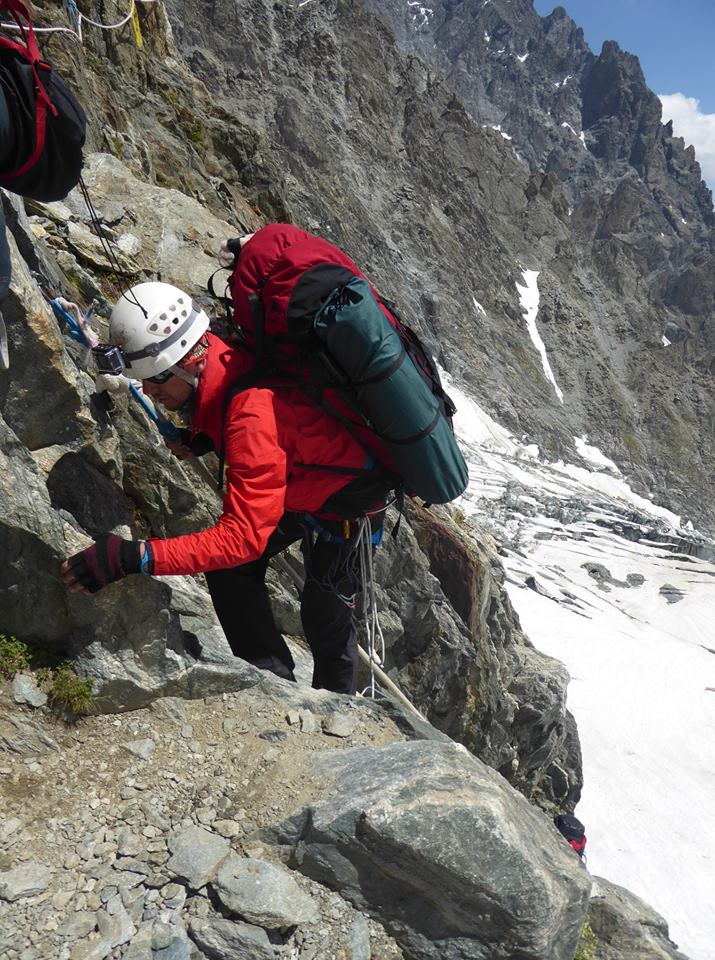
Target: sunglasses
{"type": "Point", "coordinates": [175, 371]}
{"type": "Point", "coordinates": [160, 377]}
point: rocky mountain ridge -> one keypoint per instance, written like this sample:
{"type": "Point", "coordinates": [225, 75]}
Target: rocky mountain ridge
{"type": "Point", "coordinates": [638, 209]}
{"type": "Point", "coordinates": [310, 113]}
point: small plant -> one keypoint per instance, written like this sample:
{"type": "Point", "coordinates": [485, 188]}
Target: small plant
{"type": "Point", "coordinates": [69, 692]}
{"type": "Point", "coordinates": [43, 675]}
{"type": "Point", "coordinates": [586, 949]}
{"type": "Point", "coordinates": [14, 656]}
{"type": "Point", "coordinates": [459, 517]}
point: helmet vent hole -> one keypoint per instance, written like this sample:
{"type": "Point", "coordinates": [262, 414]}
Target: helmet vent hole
{"type": "Point", "coordinates": [154, 327]}
{"type": "Point", "coordinates": [167, 330]}
{"type": "Point", "coordinates": [181, 299]}
{"type": "Point", "coordinates": [175, 320]}
{"type": "Point", "coordinates": [183, 343]}
{"type": "Point", "coordinates": [163, 317]}
{"type": "Point", "coordinates": [184, 313]}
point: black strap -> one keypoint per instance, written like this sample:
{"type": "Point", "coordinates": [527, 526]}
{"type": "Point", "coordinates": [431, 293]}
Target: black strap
{"type": "Point", "coordinates": [416, 437]}
{"type": "Point", "coordinates": [349, 471]}
{"type": "Point", "coordinates": [225, 299]}
{"type": "Point", "coordinates": [384, 374]}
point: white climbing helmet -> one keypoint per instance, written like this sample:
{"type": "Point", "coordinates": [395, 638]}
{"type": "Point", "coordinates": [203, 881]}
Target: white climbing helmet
{"type": "Point", "coordinates": [155, 324]}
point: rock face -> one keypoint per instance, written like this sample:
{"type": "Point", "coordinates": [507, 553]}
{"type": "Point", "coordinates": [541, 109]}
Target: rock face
{"type": "Point", "coordinates": [411, 818]}
{"type": "Point", "coordinates": [592, 190]}
{"type": "Point", "coordinates": [638, 216]}
{"type": "Point", "coordinates": [465, 661]}
{"type": "Point", "coordinates": [455, 645]}
{"type": "Point", "coordinates": [624, 926]}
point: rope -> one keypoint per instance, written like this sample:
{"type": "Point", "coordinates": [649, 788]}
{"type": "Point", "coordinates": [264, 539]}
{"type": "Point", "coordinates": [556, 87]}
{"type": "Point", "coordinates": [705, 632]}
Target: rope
{"type": "Point", "coordinates": [286, 568]}
{"type": "Point", "coordinates": [79, 18]}
{"type": "Point", "coordinates": [115, 26]}
{"type": "Point", "coordinates": [369, 611]}
{"type": "Point", "coordinates": [106, 244]}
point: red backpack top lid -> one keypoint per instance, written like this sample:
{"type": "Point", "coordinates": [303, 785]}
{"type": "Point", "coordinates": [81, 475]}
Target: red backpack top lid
{"type": "Point", "coordinates": [271, 265]}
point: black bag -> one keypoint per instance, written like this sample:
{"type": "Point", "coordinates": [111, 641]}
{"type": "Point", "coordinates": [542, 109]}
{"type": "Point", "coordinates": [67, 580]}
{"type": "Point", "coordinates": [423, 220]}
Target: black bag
{"type": "Point", "coordinates": [573, 831]}
{"type": "Point", "coordinates": [48, 124]}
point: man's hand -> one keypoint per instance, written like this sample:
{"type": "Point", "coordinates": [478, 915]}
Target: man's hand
{"type": "Point", "coordinates": [179, 448]}
{"type": "Point", "coordinates": [110, 558]}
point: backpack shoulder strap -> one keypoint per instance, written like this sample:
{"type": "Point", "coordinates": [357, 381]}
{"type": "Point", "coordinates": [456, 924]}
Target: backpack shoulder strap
{"type": "Point", "coordinates": [254, 378]}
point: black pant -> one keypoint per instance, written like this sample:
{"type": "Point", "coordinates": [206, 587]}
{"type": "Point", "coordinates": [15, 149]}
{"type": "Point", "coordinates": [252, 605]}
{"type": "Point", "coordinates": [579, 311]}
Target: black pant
{"type": "Point", "coordinates": [240, 598]}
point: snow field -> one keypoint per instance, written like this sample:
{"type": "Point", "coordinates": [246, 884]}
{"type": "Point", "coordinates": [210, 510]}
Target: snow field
{"type": "Point", "coordinates": [641, 666]}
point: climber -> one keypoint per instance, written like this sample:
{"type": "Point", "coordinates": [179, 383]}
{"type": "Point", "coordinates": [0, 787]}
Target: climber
{"type": "Point", "coordinates": [292, 473]}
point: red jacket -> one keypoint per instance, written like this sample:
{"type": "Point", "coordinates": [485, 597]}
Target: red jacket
{"type": "Point", "coordinates": [269, 434]}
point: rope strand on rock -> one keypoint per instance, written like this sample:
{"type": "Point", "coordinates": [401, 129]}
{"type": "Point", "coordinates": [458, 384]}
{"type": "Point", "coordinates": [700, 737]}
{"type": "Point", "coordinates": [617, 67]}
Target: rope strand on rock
{"type": "Point", "coordinates": [106, 243]}
{"type": "Point", "coordinates": [79, 18]}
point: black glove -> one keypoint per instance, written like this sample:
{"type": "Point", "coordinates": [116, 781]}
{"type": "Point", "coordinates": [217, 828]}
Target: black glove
{"type": "Point", "coordinates": [110, 558]}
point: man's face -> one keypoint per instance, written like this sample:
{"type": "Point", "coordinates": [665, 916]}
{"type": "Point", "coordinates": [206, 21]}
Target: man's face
{"type": "Point", "coordinates": [172, 394]}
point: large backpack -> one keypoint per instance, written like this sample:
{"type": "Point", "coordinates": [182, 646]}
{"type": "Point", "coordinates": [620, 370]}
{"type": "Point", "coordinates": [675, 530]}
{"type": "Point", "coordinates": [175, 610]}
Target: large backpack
{"type": "Point", "coordinates": [48, 124]}
{"type": "Point", "coordinates": [311, 318]}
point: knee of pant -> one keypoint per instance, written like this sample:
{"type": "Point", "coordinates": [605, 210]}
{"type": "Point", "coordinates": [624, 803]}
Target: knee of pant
{"type": "Point", "coordinates": [326, 619]}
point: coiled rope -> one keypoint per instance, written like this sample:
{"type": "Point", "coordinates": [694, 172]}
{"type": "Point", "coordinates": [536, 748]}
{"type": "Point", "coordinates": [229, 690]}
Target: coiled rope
{"type": "Point", "coordinates": [369, 617]}
{"type": "Point", "coordinates": [376, 670]}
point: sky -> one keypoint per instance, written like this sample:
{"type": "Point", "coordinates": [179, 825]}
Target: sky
{"type": "Point", "coordinates": [673, 42]}
{"type": "Point", "coordinates": [635, 639]}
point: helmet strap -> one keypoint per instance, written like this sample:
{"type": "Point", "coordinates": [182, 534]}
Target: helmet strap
{"type": "Point", "coordinates": [185, 376]}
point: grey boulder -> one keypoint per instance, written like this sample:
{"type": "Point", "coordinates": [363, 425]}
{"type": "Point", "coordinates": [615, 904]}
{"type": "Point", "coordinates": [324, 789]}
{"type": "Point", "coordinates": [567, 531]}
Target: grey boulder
{"type": "Point", "coordinates": [25, 881]}
{"type": "Point", "coordinates": [440, 849]}
{"type": "Point", "coordinates": [196, 855]}
{"type": "Point", "coordinates": [263, 894]}
{"type": "Point", "coordinates": [223, 939]}
{"type": "Point", "coordinates": [625, 926]}
{"type": "Point", "coordinates": [25, 690]}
